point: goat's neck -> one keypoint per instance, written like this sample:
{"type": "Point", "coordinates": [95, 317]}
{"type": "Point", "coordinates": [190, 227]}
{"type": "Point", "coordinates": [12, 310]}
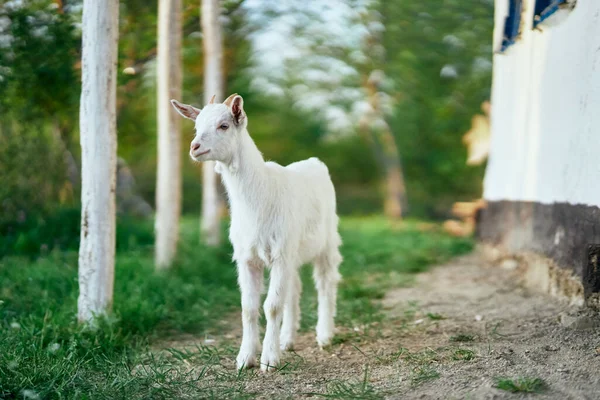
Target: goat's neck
{"type": "Point", "coordinates": [245, 176]}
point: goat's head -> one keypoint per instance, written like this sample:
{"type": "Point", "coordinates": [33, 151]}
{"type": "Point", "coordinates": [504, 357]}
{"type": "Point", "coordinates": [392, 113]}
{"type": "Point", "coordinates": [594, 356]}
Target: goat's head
{"type": "Point", "coordinates": [217, 128]}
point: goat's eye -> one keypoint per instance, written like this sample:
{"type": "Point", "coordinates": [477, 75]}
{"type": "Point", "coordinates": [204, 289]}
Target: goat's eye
{"type": "Point", "coordinates": [224, 127]}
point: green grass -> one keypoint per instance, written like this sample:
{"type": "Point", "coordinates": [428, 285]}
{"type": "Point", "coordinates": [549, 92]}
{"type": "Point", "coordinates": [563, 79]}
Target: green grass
{"type": "Point", "coordinates": [463, 355]}
{"type": "Point", "coordinates": [45, 353]}
{"type": "Point", "coordinates": [462, 337]}
{"type": "Point", "coordinates": [38, 236]}
{"type": "Point", "coordinates": [523, 385]}
{"type": "Point", "coordinates": [351, 390]}
{"type": "Point", "coordinates": [423, 374]}
{"type": "Point", "coordinates": [430, 356]}
{"type": "Point", "coordinates": [435, 317]}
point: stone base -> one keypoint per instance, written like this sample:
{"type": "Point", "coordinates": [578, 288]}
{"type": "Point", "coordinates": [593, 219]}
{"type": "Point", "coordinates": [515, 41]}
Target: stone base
{"type": "Point", "coordinates": [559, 243]}
{"type": "Point", "coordinates": [540, 274]}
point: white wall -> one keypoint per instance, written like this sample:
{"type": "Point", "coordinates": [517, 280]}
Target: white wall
{"type": "Point", "coordinates": [545, 144]}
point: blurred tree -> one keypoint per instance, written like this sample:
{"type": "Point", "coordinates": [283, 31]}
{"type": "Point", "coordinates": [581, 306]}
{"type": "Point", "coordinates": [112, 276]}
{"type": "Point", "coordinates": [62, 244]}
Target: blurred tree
{"type": "Point", "coordinates": [284, 131]}
{"type": "Point", "coordinates": [439, 54]}
{"type": "Point", "coordinates": [168, 184]}
{"type": "Point", "coordinates": [373, 123]}
{"type": "Point", "coordinates": [327, 57]}
{"type": "Point", "coordinates": [302, 69]}
{"type": "Point", "coordinates": [38, 53]}
{"type": "Point", "coordinates": [436, 59]}
{"type": "Point", "coordinates": [98, 157]}
{"type": "Point", "coordinates": [213, 89]}
{"type": "Point", "coordinates": [380, 136]}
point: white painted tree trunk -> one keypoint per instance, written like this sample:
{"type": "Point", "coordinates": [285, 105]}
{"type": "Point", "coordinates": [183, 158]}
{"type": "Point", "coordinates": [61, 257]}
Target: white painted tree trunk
{"type": "Point", "coordinates": [97, 121]}
{"type": "Point", "coordinates": [213, 86]}
{"type": "Point", "coordinates": [168, 176]}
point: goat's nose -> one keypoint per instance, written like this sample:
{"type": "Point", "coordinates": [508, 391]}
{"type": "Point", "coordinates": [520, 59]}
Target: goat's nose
{"type": "Point", "coordinates": [195, 146]}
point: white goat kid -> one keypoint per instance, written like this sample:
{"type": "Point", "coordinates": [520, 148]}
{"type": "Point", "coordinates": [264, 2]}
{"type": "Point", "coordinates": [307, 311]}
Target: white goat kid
{"type": "Point", "coordinates": [281, 218]}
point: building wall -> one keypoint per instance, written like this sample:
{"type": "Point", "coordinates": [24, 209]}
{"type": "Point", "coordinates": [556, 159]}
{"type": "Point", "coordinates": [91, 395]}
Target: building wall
{"type": "Point", "coordinates": [542, 181]}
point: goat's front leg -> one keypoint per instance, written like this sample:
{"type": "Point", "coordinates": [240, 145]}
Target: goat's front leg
{"type": "Point", "coordinates": [273, 307]}
{"type": "Point", "coordinates": [250, 279]}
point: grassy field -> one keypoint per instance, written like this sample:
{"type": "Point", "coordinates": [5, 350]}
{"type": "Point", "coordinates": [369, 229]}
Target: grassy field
{"type": "Point", "coordinates": [44, 353]}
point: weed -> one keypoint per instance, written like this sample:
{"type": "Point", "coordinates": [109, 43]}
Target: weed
{"type": "Point", "coordinates": [351, 390]}
{"type": "Point", "coordinates": [423, 357]}
{"type": "Point", "coordinates": [423, 374]}
{"type": "Point", "coordinates": [462, 337]}
{"type": "Point", "coordinates": [494, 332]}
{"type": "Point", "coordinates": [463, 355]}
{"type": "Point", "coordinates": [524, 385]}
{"type": "Point", "coordinates": [435, 317]}
{"type": "Point", "coordinates": [346, 337]}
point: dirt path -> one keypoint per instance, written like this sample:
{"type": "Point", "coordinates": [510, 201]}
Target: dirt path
{"type": "Point", "coordinates": [450, 336]}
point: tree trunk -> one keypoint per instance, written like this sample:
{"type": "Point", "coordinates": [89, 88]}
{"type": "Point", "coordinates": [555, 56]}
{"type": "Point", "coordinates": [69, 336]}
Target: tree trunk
{"type": "Point", "coordinates": [386, 154]}
{"type": "Point", "coordinates": [59, 6]}
{"type": "Point", "coordinates": [71, 167]}
{"type": "Point", "coordinates": [213, 86]}
{"type": "Point", "coordinates": [386, 151]}
{"type": "Point", "coordinates": [168, 176]}
{"type": "Point", "coordinates": [97, 120]}
{"type": "Point", "coordinates": [395, 191]}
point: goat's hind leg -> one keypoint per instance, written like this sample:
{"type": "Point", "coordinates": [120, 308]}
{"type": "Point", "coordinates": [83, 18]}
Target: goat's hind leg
{"type": "Point", "coordinates": [291, 312]}
{"type": "Point", "coordinates": [326, 277]}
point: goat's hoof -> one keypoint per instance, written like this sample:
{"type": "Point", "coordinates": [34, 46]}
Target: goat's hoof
{"type": "Point", "coordinates": [245, 362]}
{"type": "Point", "coordinates": [324, 342]}
{"type": "Point", "coordinates": [246, 365]}
{"type": "Point", "coordinates": [287, 345]}
{"type": "Point", "coordinates": [266, 368]}
{"type": "Point", "coordinates": [325, 347]}
{"type": "Point", "coordinates": [269, 363]}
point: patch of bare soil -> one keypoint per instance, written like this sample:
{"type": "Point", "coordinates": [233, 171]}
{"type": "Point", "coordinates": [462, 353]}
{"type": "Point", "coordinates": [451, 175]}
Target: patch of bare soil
{"type": "Point", "coordinates": [450, 336]}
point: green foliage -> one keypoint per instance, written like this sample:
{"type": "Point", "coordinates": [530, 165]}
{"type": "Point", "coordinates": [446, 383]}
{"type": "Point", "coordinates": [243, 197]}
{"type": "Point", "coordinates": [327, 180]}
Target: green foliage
{"type": "Point", "coordinates": [523, 385]}
{"type": "Point", "coordinates": [44, 350]}
{"type": "Point", "coordinates": [35, 234]}
{"type": "Point", "coordinates": [433, 112]}
{"type": "Point", "coordinates": [39, 93]}
{"type": "Point", "coordinates": [40, 84]}
{"type": "Point", "coordinates": [33, 172]}
{"type": "Point", "coordinates": [39, 234]}
{"type": "Point", "coordinates": [285, 135]}
{"type": "Point", "coordinates": [38, 70]}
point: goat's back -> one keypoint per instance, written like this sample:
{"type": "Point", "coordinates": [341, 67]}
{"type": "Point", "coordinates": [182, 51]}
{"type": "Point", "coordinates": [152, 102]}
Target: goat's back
{"type": "Point", "coordinates": [311, 178]}
{"type": "Point", "coordinates": [317, 202]}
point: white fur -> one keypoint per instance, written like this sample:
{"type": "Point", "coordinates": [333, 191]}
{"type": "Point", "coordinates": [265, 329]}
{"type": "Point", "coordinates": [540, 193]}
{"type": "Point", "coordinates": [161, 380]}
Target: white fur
{"type": "Point", "coordinates": [281, 218]}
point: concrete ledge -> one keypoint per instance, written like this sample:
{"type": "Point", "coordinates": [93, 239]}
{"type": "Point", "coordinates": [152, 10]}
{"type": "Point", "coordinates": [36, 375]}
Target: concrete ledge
{"type": "Point", "coordinates": [540, 274]}
{"type": "Point", "coordinates": [559, 243]}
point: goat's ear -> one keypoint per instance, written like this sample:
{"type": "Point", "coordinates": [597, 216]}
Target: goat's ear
{"type": "Point", "coordinates": [229, 100]}
{"type": "Point", "coordinates": [236, 105]}
{"type": "Point", "coordinates": [186, 111]}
